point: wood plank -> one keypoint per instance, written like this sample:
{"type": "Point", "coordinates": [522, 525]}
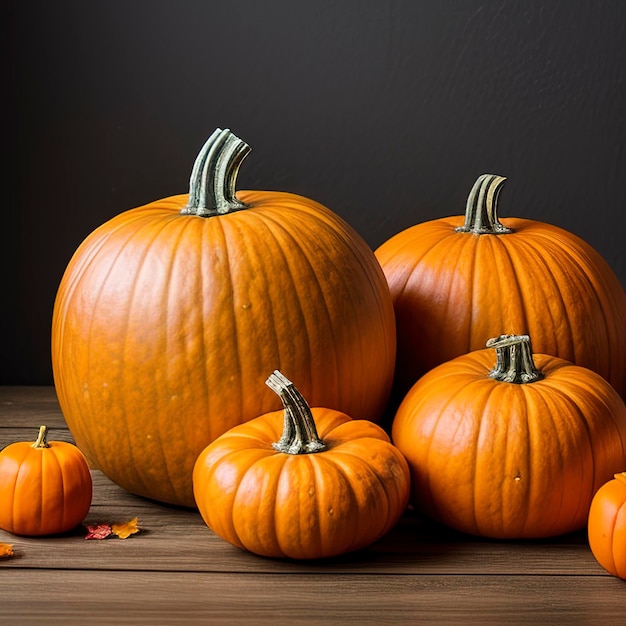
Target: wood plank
{"type": "Point", "coordinates": [61, 597]}
{"type": "Point", "coordinates": [174, 537]}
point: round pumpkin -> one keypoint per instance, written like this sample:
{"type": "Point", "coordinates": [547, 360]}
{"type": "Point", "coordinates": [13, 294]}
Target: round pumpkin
{"type": "Point", "coordinates": [302, 483]}
{"type": "Point", "coordinates": [607, 525]}
{"type": "Point", "coordinates": [45, 487]}
{"type": "Point", "coordinates": [168, 315]}
{"type": "Point", "coordinates": [457, 281]}
{"type": "Point", "coordinates": [510, 445]}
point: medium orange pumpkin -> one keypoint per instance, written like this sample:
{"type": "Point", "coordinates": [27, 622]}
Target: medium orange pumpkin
{"type": "Point", "coordinates": [457, 281]}
{"type": "Point", "coordinates": [512, 451]}
{"type": "Point", "coordinates": [45, 487]}
{"type": "Point", "coordinates": [302, 483]}
{"type": "Point", "coordinates": [607, 525]}
{"type": "Point", "coordinates": [170, 314]}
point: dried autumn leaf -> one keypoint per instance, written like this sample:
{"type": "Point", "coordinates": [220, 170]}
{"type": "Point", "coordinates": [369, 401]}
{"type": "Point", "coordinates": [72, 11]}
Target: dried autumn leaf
{"type": "Point", "coordinates": [125, 530]}
{"type": "Point", "coordinates": [98, 531]}
{"type": "Point", "coordinates": [6, 550]}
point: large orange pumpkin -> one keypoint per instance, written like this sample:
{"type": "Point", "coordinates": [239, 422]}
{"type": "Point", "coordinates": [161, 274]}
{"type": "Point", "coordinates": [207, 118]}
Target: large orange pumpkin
{"type": "Point", "coordinates": [302, 483]}
{"type": "Point", "coordinates": [510, 445]}
{"type": "Point", "coordinates": [45, 487]}
{"type": "Point", "coordinates": [170, 315]}
{"type": "Point", "coordinates": [457, 281]}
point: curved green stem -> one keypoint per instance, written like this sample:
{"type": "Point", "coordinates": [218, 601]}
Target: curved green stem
{"type": "Point", "coordinates": [212, 184]}
{"type": "Point", "coordinates": [299, 432]}
{"type": "Point", "coordinates": [514, 360]}
{"type": "Point", "coordinates": [41, 438]}
{"type": "Point", "coordinates": [481, 212]}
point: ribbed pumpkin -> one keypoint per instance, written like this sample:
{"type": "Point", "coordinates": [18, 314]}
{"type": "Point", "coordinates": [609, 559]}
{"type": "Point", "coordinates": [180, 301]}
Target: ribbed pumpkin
{"type": "Point", "coordinates": [509, 445]}
{"type": "Point", "coordinates": [303, 483]}
{"type": "Point", "coordinates": [607, 525]}
{"type": "Point", "coordinates": [170, 315]}
{"type": "Point", "coordinates": [457, 281]}
{"type": "Point", "coordinates": [45, 487]}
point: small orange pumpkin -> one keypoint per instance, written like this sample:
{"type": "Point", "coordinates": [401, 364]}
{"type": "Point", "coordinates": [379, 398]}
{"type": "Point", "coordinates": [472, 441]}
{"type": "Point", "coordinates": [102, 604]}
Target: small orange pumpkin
{"type": "Point", "coordinates": [512, 451]}
{"type": "Point", "coordinates": [45, 487]}
{"type": "Point", "coordinates": [607, 526]}
{"type": "Point", "coordinates": [325, 485]}
{"type": "Point", "coordinates": [457, 281]}
{"type": "Point", "coordinates": [168, 314]}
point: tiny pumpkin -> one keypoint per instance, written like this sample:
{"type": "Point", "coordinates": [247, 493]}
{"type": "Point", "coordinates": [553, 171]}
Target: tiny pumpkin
{"type": "Point", "coordinates": [45, 487]}
{"type": "Point", "coordinates": [607, 526]}
{"type": "Point", "coordinates": [512, 451]}
{"type": "Point", "coordinates": [168, 314]}
{"type": "Point", "coordinates": [324, 486]}
{"type": "Point", "coordinates": [459, 280]}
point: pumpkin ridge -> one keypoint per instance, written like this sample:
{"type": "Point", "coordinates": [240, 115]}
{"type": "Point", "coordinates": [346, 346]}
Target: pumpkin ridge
{"type": "Point", "coordinates": [477, 436]}
{"type": "Point", "coordinates": [353, 455]}
{"type": "Point", "coordinates": [598, 394]}
{"type": "Point", "coordinates": [130, 304]}
{"type": "Point", "coordinates": [527, 247]}
{"type": "Point", "coordinates": [186, 225]}
{"type": "Point", "coordinates": [458, 247]}
{"type": "Point", "coordinates": [331, 229]}
{"type": "Point", "coordinates": [49, 461]}
{"type": "Point", "coordinates": [84, 274]}
{"type": "Point", "coordinates": [339, 470]}
{"type": "Point", "coordinates": [534, 400]}
{"type": "Point", "coordinates": [582, 256]}
{"type": "Point", "coordinates": [272, 224]}
{"type": "Point", "coordinates": [595, 482]}
{"type": "Point", "coordinates": [501, 250]}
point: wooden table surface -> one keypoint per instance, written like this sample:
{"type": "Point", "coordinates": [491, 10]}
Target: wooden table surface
{"type": "Point", "coordinates": [176, 571]}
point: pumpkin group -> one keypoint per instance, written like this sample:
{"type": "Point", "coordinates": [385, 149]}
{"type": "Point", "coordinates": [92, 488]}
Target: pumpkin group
{"type": "Point", "coordinates": [607, 525]}
{"type": "Point", "coordinates": [510, 445]}
{"type": "Point", "coordinates": [45, 487]}
{"type": "Point", "coordinates": [170, 315]}
{"type": "Point", "coordinates": [457, 281]}
{"type": "Point", "coordinates": [304, 483]}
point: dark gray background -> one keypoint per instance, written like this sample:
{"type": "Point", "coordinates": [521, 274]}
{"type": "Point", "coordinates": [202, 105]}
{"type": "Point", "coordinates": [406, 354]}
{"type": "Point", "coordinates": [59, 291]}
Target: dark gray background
{"type": "Point", "coordinates": [385, 111]}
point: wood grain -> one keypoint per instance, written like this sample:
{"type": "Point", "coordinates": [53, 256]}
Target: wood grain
{"type": "Point", "coordinates": [176, 570]}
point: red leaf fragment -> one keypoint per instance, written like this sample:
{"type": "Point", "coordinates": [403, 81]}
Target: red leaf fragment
{"type": "Point", "coordinates": [98, 531]}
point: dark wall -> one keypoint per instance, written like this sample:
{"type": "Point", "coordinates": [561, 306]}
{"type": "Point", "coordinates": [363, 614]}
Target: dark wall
{"type": "Point", "coordinates": [385, 111]}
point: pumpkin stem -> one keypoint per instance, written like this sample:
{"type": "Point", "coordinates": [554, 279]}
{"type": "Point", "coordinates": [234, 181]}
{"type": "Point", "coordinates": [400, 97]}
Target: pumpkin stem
{"type": "Point", "coordinates": [214, 175]}
{"type": "Point", "coordinates": [481, 212]}
{"type": "Point", "coordinates": [299, 432]}
{"type": "Point", "coordinates": [41, 438]}
{"type": "Point", "coordinates": [514, 360]}
{"type": "Point", "coordinates": [621, 477]}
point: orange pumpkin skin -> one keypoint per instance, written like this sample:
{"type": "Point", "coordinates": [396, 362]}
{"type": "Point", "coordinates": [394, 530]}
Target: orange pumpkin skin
{"type": "Point", "coordinates": [508, 460]}
{"type": "Point", "coordinates": [44, 489]}
{"type": "Point", "coordinates": [302, 506]}
{"type": "Point", "coordinates": [163, 322]}
{"type": "Point", "coordinates": [607, 526]}
{"type": "Point", "coordinates": [454, 290]}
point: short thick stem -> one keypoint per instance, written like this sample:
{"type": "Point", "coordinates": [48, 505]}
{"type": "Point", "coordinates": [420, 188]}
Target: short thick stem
{"type": "Point", "coordinates": [621, 477]}
{"type": "Point", "coordinates": [41, 438]}
{"type": "Point", "coordinates": [299, 432]}
{"type": "Point", "coordinates": [213, 179]}
{"type": "Point", "coordinates": [481, 212]}
{"type": "Point", "coordinates": [514, 360]}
